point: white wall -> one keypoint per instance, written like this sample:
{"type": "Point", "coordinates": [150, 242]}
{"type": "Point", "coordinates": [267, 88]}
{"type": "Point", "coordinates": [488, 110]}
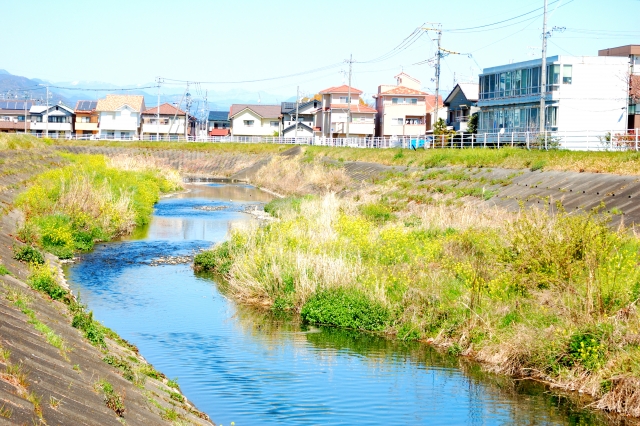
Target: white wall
{"type": "Point", "coordinates": [125, 120]}
{"type": "Point", "coordinates": [261, 126]}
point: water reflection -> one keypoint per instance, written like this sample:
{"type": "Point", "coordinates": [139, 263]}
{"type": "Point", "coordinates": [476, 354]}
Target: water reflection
{"type": "Point", "coordinates": [242, 365]}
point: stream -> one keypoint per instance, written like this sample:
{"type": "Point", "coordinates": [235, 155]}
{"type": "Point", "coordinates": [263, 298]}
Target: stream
{"type": "Point", "coordinates": [250, 367]}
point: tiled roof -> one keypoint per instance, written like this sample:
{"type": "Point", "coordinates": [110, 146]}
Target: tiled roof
{"type": "Point", "coordinates": [431, 102]}
{"type": "Point", "coordinates": [355, 108]}
{"type": "Point", "coordinates": [401, 90]}
{"type": "Point", "coordinates": [264, 111]}
{"type": "Point", "coordinates": [115, 102]}
{"type": "Point", "coordinates": [87, 106]}
{"type": "Point", "coordinates": [218, 115]}
{"type": "Point", "coordinates": [165, 109]}
{"type": "Point", "coordinates": [341, 89]}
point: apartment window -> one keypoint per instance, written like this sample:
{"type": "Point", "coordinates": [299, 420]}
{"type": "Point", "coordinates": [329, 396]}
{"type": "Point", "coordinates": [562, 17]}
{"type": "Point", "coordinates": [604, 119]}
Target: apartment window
{"type": "Point", "coordinates": [343, 99]}
{"type": "Point", "coordinates": [249, 123]}
{"type": "Point", "coordinates": [21, 118]}
{"type": "Point", "coordinates": [567, 74]}
{"type": "Point", "coordinates": [275, 123]}
{"type": "Point", "coordinates": [83, 119]}
{"type": "Point", "coordinates": [414, 101]}
{"type": "Point", "coordinates": [394, 100]}
{"type": "Point", "coordinates": [553, 76]}
{"type": "Point", "coordinates": [397, 121]}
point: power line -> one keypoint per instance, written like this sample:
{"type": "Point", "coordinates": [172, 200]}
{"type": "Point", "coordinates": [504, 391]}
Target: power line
{"type": "Point", "coordinates": [501, 22]}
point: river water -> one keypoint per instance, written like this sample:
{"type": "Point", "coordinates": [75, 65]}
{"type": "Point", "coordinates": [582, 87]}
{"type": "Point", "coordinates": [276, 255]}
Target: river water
{"type": "Point", "coordinates": [251, 368]}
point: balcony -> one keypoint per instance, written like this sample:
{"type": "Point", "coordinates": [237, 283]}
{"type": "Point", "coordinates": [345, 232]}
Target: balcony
{"type": "Point", "coordinates": [87, 127]}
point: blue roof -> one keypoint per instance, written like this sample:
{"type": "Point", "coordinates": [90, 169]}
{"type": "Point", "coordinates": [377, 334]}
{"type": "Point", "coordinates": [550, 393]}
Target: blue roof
{"type": "Point", "coordinates": [218, 115]}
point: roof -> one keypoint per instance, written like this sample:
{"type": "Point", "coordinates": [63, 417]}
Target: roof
{"type": "Point", "coordinates": [15, 104]}
{"type": "Point", "coordinates": [431, 102]}
{"type": "Point", "coordinates": [87, 106]}
{"type": "Point", "coordinates": [404, 74]}
{"type": "Point", "coordinates": [165, 109]}
{"type": "Point", "coordinates": [355, 108]}
{"type": "Point", "coordinates": [219, 132]}
{"type": "Point", "coordinates": [290, 107]}
{"type": "Point", "coordinates": [264, 111]}
{"type": "Point", "coordinates": [630, 49]}
{"type": "Point", "coordinates": [341, 89]}
{"type": "Point", "coordinates": [293, 126]}
{"type": "Point", "coordinates": [39, 109]}
{"type": "Point", "coordinates": [115, 102]}
{"type": "Point", "coordinates": [218, 115]}
{"type": "Point", "coordinates": [401, 90]}
{"type": "Point", "coordinates": [469, 90]}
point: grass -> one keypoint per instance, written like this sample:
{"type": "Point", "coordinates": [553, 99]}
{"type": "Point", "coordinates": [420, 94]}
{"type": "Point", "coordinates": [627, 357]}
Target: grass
{"type": "Point", "coordinates": [528, 294]}
{"type": "Point", "coordinates": [112, 399]}
{"type": "Point", "coordinates": [241, 148]}
{"type": "Point", "coordinates": [626, 163]}
{"type": "Point", "coordinates": [92, 199]}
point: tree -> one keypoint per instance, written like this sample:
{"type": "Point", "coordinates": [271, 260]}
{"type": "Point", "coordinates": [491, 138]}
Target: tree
{"type": "Point", "coordinates": [472, 124]}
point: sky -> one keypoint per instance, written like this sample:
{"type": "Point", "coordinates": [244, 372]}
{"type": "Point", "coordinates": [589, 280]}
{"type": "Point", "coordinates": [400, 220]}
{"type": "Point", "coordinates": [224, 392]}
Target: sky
{"type": "Point", "coordinates": [291, 44]}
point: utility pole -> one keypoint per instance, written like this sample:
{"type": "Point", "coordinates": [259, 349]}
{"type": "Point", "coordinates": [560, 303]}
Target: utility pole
{"type": "Point", "coordinates": [438, 56]}
{"type": "Point", "coordinates": [295, 134]}
{"type": "Point", "coordinates": [543, 71]}
{"type": "Point", "coordinates": [25, 112]}
{"type": "Point", "coordinates": [187, 104]}
{"type": "Point", "coordinates": [46, 124]}
{"type": "Point", "coordinates": [158, 114]}
{"type": "Point", "coordinates": [349, 96]}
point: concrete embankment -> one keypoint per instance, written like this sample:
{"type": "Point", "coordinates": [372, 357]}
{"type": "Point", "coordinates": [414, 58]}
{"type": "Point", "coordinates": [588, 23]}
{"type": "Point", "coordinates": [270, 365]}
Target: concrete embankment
{"type": "Point", "coordinates": [63, 383]}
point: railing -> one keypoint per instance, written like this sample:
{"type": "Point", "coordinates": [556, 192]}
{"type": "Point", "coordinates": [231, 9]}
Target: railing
{"type": "Point", "coordinates": [578, 141]}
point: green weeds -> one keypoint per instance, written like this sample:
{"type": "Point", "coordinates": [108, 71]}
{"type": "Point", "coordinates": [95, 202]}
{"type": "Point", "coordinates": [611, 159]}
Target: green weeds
{"type": "Point", "coordinates": [345, 308]}
{"type": "Point", "coordinates": [112, 399]}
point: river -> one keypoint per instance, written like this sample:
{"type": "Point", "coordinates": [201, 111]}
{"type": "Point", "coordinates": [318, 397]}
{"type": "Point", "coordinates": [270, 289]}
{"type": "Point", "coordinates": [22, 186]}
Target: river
{"type": "Point", "coordinates": [243, 366]}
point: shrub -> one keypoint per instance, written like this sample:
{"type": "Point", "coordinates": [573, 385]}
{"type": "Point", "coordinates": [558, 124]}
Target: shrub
{"type": "Point", "coordinates": [112, 399]}
{"type": "Point", "coordinates": [345, 308]}
{"type": "Point", "coordinates": [42, 278]}
{"type": "Point", "coordinates": [93, 330]}
{"type": "Point", "coordinates": [28, 254]}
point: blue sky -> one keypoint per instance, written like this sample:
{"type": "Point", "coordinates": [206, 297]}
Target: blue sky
{"type": "Point", "coordinates": [132, 42]}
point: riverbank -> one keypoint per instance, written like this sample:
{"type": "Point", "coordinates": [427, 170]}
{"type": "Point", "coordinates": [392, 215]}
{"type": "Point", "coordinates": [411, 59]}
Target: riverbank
{"type": "Point", "coordinates": [58, 365]}
{"type": "Point", "coordinates": [426, 255]}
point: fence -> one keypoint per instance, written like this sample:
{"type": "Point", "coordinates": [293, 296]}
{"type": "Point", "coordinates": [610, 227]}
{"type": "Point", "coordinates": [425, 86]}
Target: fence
{"type": "Point", "coordinates": [590, 140]}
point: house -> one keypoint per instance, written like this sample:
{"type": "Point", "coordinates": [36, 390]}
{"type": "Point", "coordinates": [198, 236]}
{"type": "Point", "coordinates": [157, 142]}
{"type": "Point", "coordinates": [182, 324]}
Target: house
{"type": "Point", "coordinates": [583, 93]}
{"type": "Point", "coordinates": [632, 52]}
{"type": "Point", "coordinates": [305, 113]}
{"type": "Point", "coordinates": [168, 124]}
{"type": "Point", "coordinates": [403, 109]}
{"type": "Point", "coordinates": [86, 122]}
{"type": "Point", "coordinates": [14, 116]}
{"type": "Point", "coordinates": [254, 120]}
{"type": "Point", "coordinates": [53, 120]}
{"type": "Point", "coordinates": [461, 104]}
{"type": "Point", "coordinates": [120, 116]}
{"type": "Point", "coordinates": [219, 124]}
{"type": "Point", "coordinates": [331, 118]}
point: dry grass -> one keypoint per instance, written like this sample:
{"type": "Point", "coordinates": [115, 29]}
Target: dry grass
{"type": "Point", "coordinates": [291, 176]}
{"type": "Point", "coordinates": [140, 163]}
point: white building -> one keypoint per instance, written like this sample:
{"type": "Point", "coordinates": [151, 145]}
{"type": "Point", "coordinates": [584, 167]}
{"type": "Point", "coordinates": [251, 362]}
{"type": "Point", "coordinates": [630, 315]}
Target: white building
{"type": "Point", "coordinates": [254, 120]}
{"type": "Point", "coordinates": [584, 93]}
{"type": "Point", "coordinates": [120, 116]}
{"type": "Point", "coordinates": [55, 120]}
{"type": "Point", "coordinates": [170, 124]}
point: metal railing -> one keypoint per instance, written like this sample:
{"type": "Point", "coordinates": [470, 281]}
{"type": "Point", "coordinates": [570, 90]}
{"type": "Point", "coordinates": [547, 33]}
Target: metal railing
{"type": "Point", "coordinates": [590, 140]}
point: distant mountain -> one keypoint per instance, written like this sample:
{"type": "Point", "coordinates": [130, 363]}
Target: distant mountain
{"type": "Point", "coordinates": [69, 92]}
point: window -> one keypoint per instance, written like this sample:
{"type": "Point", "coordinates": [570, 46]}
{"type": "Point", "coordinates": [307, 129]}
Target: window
{"type": "Point", "coordinates": [414, 101]}
{"type": "Point", "coordinates": [83, 119]}
{"type": "Point", "coordinates": [21, 118]}
{"type": "Point", "coordinates": [249, 123]}
{"type": "Point", "coordinates": [343, 99]}
{"type": "Point", "coordinates": [553, 76]}
{"type": "Point", "coordinates": [397, 121]}
{"type": "Point", "coordinates": [394, 100]}
{"type": "Point", "coordinates": [275, 123]}
{"type": "Point", "coordinates": [566, 74]}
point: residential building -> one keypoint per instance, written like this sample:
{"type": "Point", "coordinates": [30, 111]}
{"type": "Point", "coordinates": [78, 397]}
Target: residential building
{"type": "Point", "coordinates": [169, 124]}
{"type": "Point", "coordinates": [254, 120]}
{"type": "Point", "coordinates": [86, 122]}
{"type": "Point", "coordinates": [403, 109]}
{"type": "Point", "coordinates": [120, 116]}
{"type": "Point", "coordinates": [461, 104]}
{"type": "Point", "coordinates": [583, 93]}
{"type": "Point", "coordinates": [632, 52]}
{"type": "Point", "coordinates": [14, 116]}
{"type": "Point", "coordinates": [54, 120]}
{"type": "Point", "coordinates": [305, 113]}
{"type": "Point", "coordinates": [331, 118]}
{"type": "Point", "coordinates": [219, 124]}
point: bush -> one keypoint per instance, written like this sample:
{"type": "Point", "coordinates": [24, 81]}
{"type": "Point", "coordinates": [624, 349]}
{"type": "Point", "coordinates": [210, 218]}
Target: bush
{"type": "Point", "coordinates": [92, 329]}
{"type": "Point", "coordinates": [345, 308]}
{"type": "Point", "coordinates": [28, 254]}
{"type": "Point", "coordinates": [42, 279]}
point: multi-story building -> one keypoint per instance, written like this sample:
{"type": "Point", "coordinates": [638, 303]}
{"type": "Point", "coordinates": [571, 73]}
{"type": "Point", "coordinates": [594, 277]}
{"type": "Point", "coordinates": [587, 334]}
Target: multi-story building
{"type": "Point", "coordinates": [632, 52]}
{"type": "Point", "coordinates": [54, 120]}
{"type": "Point", "coordinates": [305, 113]}
{"type": "Point", "coordinates": [403, 109]}
{"type": "Point", "coordinates": [169, 124]}
{"type": "Point", "coordinates": [331, 118]}
{"type": "Point", "coordinates": [461, 104]}
{"type": "Point", "coordinates": [14, 116]}
{"type": "Point", "coordinates": [86, 123]}
{"type": "Point", "coordinates": [254, 120]}
{"type": "Point", "coordinates": [120, 116]}
{"type": "Point", "coordinates": [583, 93]}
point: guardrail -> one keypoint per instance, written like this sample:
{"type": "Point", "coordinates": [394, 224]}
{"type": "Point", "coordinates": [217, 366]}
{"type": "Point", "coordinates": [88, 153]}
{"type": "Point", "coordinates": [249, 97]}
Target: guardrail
{"type": "Point", "coordinates": [579, 141]}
